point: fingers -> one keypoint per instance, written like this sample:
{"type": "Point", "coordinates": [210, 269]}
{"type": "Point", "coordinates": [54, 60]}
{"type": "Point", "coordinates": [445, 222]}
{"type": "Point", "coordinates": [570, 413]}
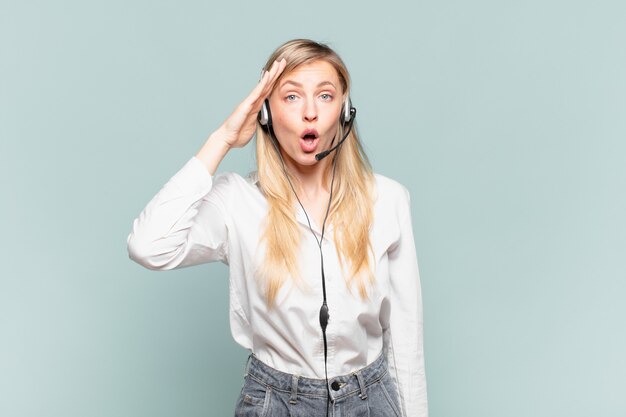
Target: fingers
{"type": "Point", "coordinates": [269, 77]}
{"type": "Point", "coordinates": [274, 73]}
{"type": "Point", "coordinates": [262, 83]}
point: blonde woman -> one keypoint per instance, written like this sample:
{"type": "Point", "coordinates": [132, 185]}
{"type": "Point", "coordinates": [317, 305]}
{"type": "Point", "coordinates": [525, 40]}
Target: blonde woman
{"type": "Point", "coordinates": [324, 282]}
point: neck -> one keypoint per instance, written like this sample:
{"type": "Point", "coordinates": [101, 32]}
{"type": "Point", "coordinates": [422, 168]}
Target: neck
{"type": "Point", "coordinates": [310, 179]}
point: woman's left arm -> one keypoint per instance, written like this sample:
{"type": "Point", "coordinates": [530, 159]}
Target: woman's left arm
{"type": "Point", "coordinates": [404, 336]}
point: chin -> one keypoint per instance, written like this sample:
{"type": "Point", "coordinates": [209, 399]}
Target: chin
{"type": "Point", "coordinates": [307, 159]}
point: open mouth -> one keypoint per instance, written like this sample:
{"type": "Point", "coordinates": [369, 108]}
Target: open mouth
{"type": "Point", "coordinates": [309, 139]}
{"type": "Point", "coordinates": [309, 134]}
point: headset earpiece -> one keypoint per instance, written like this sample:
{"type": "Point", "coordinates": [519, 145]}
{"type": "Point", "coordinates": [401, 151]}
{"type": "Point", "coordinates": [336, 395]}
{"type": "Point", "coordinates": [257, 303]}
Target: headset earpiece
{"type": "Point", "coordinates": [265, 116]}
{"type": "Point", "coordinates": [346, 113]}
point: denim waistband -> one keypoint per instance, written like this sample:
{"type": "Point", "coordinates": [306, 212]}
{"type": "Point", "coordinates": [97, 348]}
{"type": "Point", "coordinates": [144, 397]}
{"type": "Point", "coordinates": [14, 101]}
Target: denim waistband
{"type": "Point", "coordinates": [338, 386]}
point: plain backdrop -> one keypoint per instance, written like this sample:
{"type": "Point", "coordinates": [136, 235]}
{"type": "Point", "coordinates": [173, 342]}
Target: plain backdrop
{"type": "Point", "coordinates": [506, 120]}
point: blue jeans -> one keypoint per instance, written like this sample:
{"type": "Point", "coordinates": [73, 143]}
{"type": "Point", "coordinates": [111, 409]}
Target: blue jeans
{"type": "Point", "coordinates": [368, 392]}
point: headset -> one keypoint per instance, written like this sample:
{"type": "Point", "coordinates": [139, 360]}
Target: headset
{"type": "Point", "coordinates": [347, 116]}
{"type": "Point", "coordinates": [265, 116]}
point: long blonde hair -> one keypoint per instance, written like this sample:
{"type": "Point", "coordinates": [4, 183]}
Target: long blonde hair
{"type": "Point", "coordinates": [351, 210]}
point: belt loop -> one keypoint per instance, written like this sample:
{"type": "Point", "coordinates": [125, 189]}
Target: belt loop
{"type": "Point", "coordinates": [245, 373]}
{"type": "Point", "coordinates": [294, 389]}
{"type": "Point", "coordinates": [359, 377]}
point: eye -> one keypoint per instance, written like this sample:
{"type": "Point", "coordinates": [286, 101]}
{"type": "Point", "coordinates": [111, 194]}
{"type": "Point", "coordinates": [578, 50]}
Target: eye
{"type": "Point", "coordinates": [290, 97]}
{"type": "Point", "coordinates": [326, 97]}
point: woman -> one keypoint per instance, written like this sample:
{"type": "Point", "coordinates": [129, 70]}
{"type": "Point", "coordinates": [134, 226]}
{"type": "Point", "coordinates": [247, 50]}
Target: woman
{"type": "Point", "coordinates": [324, 281]}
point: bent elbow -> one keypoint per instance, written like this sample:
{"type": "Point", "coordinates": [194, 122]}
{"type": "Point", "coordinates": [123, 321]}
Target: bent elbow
{"type": "Point", "coordinates": [147, 255]}
{"type": "Point", "coordinates": [138, 252]}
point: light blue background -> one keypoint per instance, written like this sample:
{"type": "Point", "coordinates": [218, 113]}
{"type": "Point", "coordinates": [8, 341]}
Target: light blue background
{"type": "Point", "coordinates": [506, 121]}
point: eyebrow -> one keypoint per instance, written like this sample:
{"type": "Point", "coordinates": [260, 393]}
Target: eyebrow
{"type": "Point", "coordinates": [297, 84]}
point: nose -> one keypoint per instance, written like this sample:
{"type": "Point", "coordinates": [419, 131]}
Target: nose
{"type": "Point", "coordinates": [309, 113]}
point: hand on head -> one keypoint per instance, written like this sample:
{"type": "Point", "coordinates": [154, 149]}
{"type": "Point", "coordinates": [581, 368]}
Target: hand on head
{"type": "Point", "coordinates": [239, 127]}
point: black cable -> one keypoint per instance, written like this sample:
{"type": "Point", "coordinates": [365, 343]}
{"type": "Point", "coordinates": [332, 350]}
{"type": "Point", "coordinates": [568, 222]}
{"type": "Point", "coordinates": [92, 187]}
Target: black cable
{"type": "Point", "coordinates": [324, 316]}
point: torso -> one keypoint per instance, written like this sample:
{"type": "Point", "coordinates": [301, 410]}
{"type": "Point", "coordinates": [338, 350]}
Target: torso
{"type": "Point", "coordinates": [288, 338]}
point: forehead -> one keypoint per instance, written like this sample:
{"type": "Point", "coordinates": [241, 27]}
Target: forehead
{"type": "Point", "coordinates": [312, 74]}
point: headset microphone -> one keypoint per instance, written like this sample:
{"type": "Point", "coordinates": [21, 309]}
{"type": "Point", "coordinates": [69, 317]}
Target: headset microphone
{"type": "Point", "coordinates": [324, 154]}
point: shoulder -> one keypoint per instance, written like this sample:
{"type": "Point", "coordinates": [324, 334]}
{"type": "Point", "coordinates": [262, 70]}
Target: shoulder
{"type": "Point", "coordinates": [229, 183]}
{"type": "Point", "coordinates": [234, 179]}
{"type": "Point", "coordinates": [235, 189]}
{"type": "Point", "coordinates": [390, 190]}
{"type": "Point", "coordinates": [391, 209]}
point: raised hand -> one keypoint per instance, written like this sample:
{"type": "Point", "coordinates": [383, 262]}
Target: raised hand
{"type": "Point", "coordinates": [240, 126]}
{"type": "Point", "coordinates": [238, 129]}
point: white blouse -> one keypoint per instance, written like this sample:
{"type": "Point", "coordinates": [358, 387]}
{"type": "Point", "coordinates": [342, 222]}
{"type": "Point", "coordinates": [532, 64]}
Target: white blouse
{"type": "Point", "coordinates": [197, 217]}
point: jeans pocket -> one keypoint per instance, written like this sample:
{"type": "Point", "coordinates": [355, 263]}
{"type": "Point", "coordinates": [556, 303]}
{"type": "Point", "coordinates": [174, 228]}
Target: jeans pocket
{"type": "Point", "coordinates": [388, 387]}
{"type": "Point", "coordinates": [253, 400]}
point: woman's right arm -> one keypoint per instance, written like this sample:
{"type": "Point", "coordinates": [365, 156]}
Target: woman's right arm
{"type": "Point", "coordinates": [185, 223]}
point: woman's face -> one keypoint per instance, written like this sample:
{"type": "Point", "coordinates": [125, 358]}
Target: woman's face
{"type": "Point", "coordinates": [305, 107]}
